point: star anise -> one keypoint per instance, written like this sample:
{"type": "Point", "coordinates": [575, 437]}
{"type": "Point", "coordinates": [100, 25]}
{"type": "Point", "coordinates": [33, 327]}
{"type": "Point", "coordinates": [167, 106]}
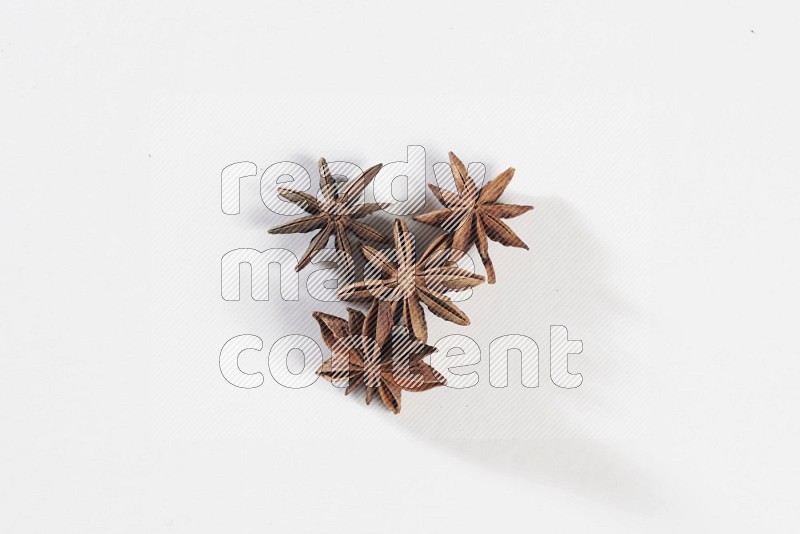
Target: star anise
{"type": "Point", "coordinates": [405, 282]}
{"type": "Point", "coordinates": [336, 214]}
{"type": "Point", "coordinates": [473, 216]}
{"type": "Point", "coordinates": [365, 351]}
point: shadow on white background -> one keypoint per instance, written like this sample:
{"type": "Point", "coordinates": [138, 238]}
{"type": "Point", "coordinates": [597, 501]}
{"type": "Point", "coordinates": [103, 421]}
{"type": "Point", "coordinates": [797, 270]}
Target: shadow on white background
{"type": "Point", "coordinates": [548, 435]}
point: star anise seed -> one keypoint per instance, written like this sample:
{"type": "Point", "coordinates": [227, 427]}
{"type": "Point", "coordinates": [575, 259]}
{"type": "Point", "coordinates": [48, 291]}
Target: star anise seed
{"type": "Point", "coordinates": [405, 283]}
{"type": "Point", "coordinates": [472, 216]}
{"type": "Point", "coordinates": [335, 215]}
{"type": "Point", "coordinates": [364, 351]}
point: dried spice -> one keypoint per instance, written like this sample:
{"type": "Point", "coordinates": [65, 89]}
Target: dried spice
{"type": "Point", "coordinates": [473, 217]}
{"type": "Point", "coordinates": [336, 214]}
{"type": "Point", "coordinates": [406, 282]}
{"type": "Point", "coordinates": [385, 349]}
{"type": "Point", "coordinates": [364, 352]}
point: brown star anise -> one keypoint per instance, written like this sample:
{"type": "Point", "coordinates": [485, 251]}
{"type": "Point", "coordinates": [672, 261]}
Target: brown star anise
{"type": "Point", "coordinates": [336, 214]}
{"type": "Point", "coordinates": [364, 350]}
{"type": "Point", "coordinates": [474, 216]}
{"type": "Point", "coordinates": [406, 281]}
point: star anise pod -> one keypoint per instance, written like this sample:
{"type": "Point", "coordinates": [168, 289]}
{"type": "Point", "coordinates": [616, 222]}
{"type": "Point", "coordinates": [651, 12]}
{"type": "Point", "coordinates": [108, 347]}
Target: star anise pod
{"type": "Point", "coordinates": [405, 282]}
{"type": "Point", "coordinates": [336, 214]}
{"type": "Point", "coordinates": [365, 351]}
{"type": "Point", "coordinates": [474, 216]}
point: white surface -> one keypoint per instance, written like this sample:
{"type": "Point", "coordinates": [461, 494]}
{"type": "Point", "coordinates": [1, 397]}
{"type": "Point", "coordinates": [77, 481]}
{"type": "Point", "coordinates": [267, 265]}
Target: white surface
{"type": "Point", "coordinates": [658, 144]}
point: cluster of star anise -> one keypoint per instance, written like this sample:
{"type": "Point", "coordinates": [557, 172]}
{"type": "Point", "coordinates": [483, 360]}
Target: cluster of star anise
{"type": "Point", "coordinates": [384, 349]}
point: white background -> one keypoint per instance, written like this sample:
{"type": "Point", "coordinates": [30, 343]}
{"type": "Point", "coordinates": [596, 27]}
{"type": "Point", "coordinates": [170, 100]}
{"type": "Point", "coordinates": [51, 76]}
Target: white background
{"type": "Point", "coordinates": [658, 142]}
